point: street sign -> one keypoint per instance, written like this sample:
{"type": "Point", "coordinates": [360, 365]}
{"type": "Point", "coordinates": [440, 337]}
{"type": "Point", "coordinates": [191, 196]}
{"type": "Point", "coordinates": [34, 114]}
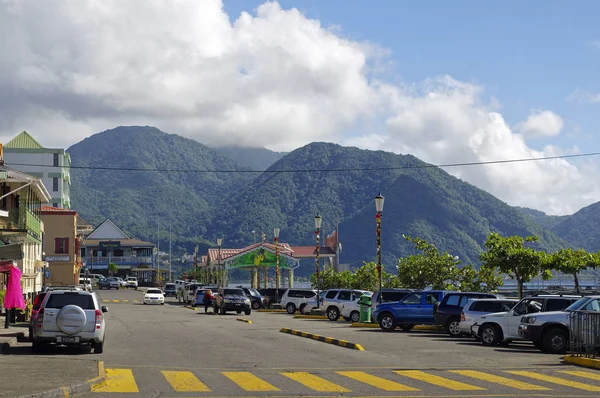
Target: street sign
{"type": "Point", "coordinates": [47, 273]}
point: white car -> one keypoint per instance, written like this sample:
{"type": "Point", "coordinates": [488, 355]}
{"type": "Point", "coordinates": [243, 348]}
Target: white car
{"type": "Point", "coordinates": [476, 308]}
{"type": "Point", "coordinates": [131, 282]}
{"type": "Point", "coordinates": [154, 296]}
{"type": "Point", "coordinates": [351, 311]}
{"type": "Point", "coordinates": [296, 299]}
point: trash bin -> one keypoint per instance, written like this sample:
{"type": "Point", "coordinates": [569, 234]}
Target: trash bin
{"type": "Point", "coordinates": [365, 308]}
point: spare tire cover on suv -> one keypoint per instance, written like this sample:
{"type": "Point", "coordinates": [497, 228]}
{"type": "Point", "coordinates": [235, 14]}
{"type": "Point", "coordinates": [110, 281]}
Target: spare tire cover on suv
{"type": "Point", "coordinates": [71, 319]}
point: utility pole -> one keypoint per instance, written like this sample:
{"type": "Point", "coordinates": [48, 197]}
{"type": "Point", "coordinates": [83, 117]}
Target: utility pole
{"type": "Point", "coordinates": [158, 249]}
{"type": "Point", "coordinates": [170, 251]}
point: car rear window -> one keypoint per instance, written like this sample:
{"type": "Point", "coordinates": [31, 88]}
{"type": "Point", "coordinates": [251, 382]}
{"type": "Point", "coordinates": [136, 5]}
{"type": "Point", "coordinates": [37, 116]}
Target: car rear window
{"type": "Point", "coordinates": [154, 291]}
{"type": "Point", "coordinates": [170, 286]}
{"type": "Point", "coordinates": [58, 301]}
{"type": "Point", "coordinates": [234, 292]}
{"type": "Point", "coordinates": [394, 296]}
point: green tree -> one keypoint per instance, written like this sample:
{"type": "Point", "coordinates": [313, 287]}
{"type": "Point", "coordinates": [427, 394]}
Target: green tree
{"type": "Point", "coordinates": [485, 279]}
{"type": "Point", "coordinates": [112, 268]}
{"type": "Point", "coordinates": [512, 257]}
{"type": "Point", "coordinates": [572, 262]}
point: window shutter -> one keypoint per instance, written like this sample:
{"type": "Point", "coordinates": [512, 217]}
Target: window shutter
{"type": "Point", "coordinates": [66, 246]}
{"type": "Point", "coordinates": [56, 245]}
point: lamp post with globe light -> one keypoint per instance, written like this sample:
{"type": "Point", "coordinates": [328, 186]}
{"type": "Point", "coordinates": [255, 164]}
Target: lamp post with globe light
{"type": "Point", "coordinates": [318, 221]}
{"type": "Point", "coordinates": [277, 282]}
{"type": "Point", "coordinates": [379, 207]}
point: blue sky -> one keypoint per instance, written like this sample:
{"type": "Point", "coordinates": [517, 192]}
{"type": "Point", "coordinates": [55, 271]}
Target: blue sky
{"type": "Point", "coordinates": [527, 54]}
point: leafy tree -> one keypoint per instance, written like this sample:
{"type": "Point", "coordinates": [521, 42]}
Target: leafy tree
{"type": "Point", "coordinates": [572, 262]}
{"type": "Point", "coordinates": [112, 268]}
{"type": "Point", "coordinates": [512, 257]}
{"type": "Point", "coordinates": [364, 278]}
{"type": "Point", "coordinates": [485, 279]}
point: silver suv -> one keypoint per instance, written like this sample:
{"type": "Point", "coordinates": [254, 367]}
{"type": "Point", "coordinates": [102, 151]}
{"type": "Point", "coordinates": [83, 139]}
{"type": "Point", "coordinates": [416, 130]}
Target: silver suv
{"type": "Point", "coordinates": [70, 318]}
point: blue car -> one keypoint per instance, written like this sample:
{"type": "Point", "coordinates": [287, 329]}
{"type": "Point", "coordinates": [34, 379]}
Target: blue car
{"type": "Point", "coordinates": [170, 289]}
{"type": "Point", "coordinates": [414, 309]}
{"type": "Point", "coordinates": [199, 296]}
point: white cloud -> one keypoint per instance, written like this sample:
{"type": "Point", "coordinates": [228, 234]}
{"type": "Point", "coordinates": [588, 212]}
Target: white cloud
{"type": "Point", "coordinates": [595, 43]}
{"type": "Point", "coordinates": [540, 124]}
{"type": "Point", "coordinates": [276, 79]}
{"type": "Point", "coordinates": [580, 95]}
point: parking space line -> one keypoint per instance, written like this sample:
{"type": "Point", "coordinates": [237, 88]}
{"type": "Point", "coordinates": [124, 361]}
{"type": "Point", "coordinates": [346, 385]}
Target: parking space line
{"type": "Point", "coordinates": [579, 373]}
{"type": "Point", "coordinates": [438, 380]}
{"type": "Point", "coordinates": [184, 381]}
{"type": "Point", "coordinates": [315, 383]}
{"type": "Point", "coordinates": [379, 382]}
{"type": "Point", "coordinates": [555, 380]}
{"type": "Point", "coordinates": [248, 382]}
{"type": "Point", "coordinates": [504, 381]}
{"type": "Point", "coordinates": [118, 380]}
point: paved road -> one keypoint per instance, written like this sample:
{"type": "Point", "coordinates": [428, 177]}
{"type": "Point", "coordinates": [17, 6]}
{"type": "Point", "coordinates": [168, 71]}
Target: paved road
{"type": "Point", "coordinates": [171, 351]}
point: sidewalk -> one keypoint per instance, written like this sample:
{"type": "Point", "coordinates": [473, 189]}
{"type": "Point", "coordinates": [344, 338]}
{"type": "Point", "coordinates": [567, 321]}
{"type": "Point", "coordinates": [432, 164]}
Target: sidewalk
{"type": "Point", "coordinates": [43, 375]}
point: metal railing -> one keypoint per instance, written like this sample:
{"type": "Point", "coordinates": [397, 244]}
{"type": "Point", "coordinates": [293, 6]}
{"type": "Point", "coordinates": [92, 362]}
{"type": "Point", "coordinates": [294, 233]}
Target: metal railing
{"type": "Point", "coordinates": [585, 334]}
{"type": "Point", "coordinates": [119, 260]}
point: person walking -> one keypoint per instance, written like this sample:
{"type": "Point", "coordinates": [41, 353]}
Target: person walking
{"type": "Point", "coordinates": [208, 299]}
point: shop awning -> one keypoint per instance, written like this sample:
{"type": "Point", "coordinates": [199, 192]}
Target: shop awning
{"type": "Point", "coordinates": [13, 251]}
{"type": "Point", "coordinates": [6, 265]}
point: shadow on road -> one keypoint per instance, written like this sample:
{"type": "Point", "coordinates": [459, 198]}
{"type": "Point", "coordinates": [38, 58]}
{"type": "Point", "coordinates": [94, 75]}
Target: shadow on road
{"type": "Point", "coordinates": [50, 350]}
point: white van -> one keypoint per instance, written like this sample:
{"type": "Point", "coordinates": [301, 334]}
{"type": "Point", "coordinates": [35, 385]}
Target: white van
{"type": "Point", "coordinates": [131, 282]}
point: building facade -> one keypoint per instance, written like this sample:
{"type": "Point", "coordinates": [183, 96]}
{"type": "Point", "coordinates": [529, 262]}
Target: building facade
{"type": "Point", "coordinates": [21, 199]}
{"type": "Point", "coordinates": [107, 244]}
{"type": "Point", "coordinates": [61, 246]}
{"type": "Point", "coordinates": [52, 166]}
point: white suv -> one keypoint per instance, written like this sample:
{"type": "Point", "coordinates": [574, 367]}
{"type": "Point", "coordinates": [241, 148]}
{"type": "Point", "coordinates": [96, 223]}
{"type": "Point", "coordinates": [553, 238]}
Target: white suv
{"type": "Point", "coordinates": [70, 317]}
{"type": "Point", "coordinates": [131, 282]}
{"type": "Point", "coordinates": [336, 299]}
{"type": "Point", "coordinates": [296, 299]}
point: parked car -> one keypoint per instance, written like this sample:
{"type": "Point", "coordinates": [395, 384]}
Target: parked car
{"type": "Point", "coordinates": [199, 294]}
{"type": "Point", "coordinates": [170, 289]}
{"type": "Point", "coordinates": [447, 312]}
{"type": "Point", "coordinates": [122, 281]}
{"type": "Point", "coordinates": [229, 299]}
{"type": "Point", "coordinates": [154, 296]}
{"type": "Point", "coordinates": [312, 303]}
{"type": "Point", "coordinates": [37, 302]}
{"type": "Point", "coordinates": [255, 297]}
{"type": "Point", "coordinates": [272, 296]}
{"type": "Point", "coordinates": [550, 331]}
{"type": "Point", "coordinates": [295, 299]}
{"type": "Point", "coordinates": [85, 284]}
{"type": "Point", "coordinates": [351, 311]}
{"type": "Point", "coordinates": [503, 327]}
{"type": "Point", "coordinates": [414, 309]}
{"type": "Point", "coordinates": [335, 299]}
{"type": "Point", "coordinates": [132, 282]}
{"type": "Point", "coordinates": [476, 308]}
{"type": "Point", "coordinates": [390, 295]}
{"type": "Point", "coordinates": [70, 318]}
{"type": "Point", "coordinates": [109, 283]}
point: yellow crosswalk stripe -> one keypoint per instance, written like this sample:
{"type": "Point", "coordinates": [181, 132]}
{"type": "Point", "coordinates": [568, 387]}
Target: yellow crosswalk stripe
{"type": "Point", "coordinates": [438, 380]}
{"type": "Point", "coordinates": [315, 383]}
{"type": "Point", "coordinates": [125, 301]}
{"type": "Point", "coordinates": [118, 380]}
{"type": "Point", "coordinates": [136, 301]}
{"type": "Point", "coordinates": [248, 382]}
{"type": "Point", "coordinates": [379, 382]}
{"type": "Point", "coordinates": [579, 373]}
{"type": "Point", "coordinates": [106, 301]}
{"type": "Point", "coordinates": [504, 381]}
{"type": "Point", "coordinates": [115, 301]}
{"type": "Point", "coordinates": [184, 381]}
{"type": "Point", "coordinates": [555, 380]}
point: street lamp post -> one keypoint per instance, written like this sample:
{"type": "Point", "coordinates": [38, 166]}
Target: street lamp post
{"type": "Point", "coordinates": [277, 283]}
{"type": "Point", "coordinates": [196, 262]}
{"type": "Point", "coordinates": [379, 207]}
{"type": "Point", "coordinates": [220, 273]}
{"type": "Point", "coordinates": [318, 220]}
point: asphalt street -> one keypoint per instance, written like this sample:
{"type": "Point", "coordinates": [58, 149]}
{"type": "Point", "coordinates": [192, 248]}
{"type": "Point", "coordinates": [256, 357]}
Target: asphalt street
{"type": "Point", "coordinates": [172, 351]}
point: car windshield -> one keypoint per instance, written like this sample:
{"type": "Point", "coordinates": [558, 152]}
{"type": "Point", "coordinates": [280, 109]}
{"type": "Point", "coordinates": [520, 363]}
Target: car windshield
{"type": "Point", "coordinates": [84, 301]}
{"type": "Point", "coordinates": [254, 292]}
{"type": "Point", "coordinates": [154, 291]}
{"type": "Point", "coordinates": [170, 286]}
{"type": "Point", "coordinates": [527, 307]}
{"type": "Point", "coordinates": [234, 292]}
{"type": "Point", "coordinates": [576, 305]}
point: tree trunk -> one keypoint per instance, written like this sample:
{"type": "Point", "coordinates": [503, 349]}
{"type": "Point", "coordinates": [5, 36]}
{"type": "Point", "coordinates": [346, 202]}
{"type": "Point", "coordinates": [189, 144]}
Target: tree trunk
{"type": "Point", "coordinates": [520, 287]}
{"type": "Point", "coordinates": [576, 282]}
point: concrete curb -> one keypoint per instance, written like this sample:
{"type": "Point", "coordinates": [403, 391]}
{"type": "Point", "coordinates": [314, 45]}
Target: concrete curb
{"type": "Point", "coordinates": [376, 326]}
{"type": "Point", "coordinates": [189, 307]}
{"type": "Point", "coordinates": [81, 388]}
{"type": "Point", "coordinates": [267, 310]}
{"type": "Point", "coordinates": [581, 361]}
{"type": "Point", "coordinates": [7, 341]}
{"type": "Point", "coordinates": [328, 340]}
{"type": "Point", "coordinates": [244, 320]}
{"type": "Point", "coordinates": [311, 317]}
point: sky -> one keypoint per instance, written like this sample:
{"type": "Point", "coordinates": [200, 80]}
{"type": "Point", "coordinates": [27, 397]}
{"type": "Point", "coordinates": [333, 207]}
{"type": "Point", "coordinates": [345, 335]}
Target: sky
{"type": "Point", "coordinates": [449, 82]}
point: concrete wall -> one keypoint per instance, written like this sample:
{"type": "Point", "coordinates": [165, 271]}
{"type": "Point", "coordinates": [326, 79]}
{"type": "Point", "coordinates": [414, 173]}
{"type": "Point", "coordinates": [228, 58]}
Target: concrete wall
{"type": "Point", "coordinates": [60, 225]}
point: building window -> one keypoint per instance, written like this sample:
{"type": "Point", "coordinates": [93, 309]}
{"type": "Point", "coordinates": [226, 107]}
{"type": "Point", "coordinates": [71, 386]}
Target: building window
{"type": "Point", "coordinates": [55, 184]}
{"type": "Point", "coordinates": [61, 245]}
{"type": "Point", "coordinates": [56, 159]}
{"type": "Point", "coordinates": [54, 204]}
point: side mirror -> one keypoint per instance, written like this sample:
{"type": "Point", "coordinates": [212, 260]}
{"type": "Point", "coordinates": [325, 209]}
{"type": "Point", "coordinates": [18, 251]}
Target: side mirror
{"type": "Point", "coordinates": [104, 308]}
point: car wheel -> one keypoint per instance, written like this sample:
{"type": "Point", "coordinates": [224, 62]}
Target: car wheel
{"type": "Point", "coordinates": [539, 345]}
{"type": "Point", "coordinates": [255, 305]}
{"type": "Point", "coordinates": [355, 316]}
{"type": "Point", "coordinates": [302, 307]}
{"type": "Point", "coordinates": [387, 323]}
{"type": "Point", "coordinates": [490, 335]}
{"type": "Point", "coordinates": [333, 313]}
{"type": "Point", "coordinates": [290, 308]}
{"type": "Point", "coordinates": [452, 327]}
{"type": "Point", "coordinates": [406, 328]}
{"type": "Point", "coordinates": [555, 341]}
{"type": "Point", "coordinates": [36, 346]}
{"type": "Point", "coordinates": [99, 347]}
{"type": "Point", "coordinates": [248, 311]}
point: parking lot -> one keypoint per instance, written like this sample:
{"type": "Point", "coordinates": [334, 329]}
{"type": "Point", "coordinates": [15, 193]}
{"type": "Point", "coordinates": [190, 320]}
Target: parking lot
{"type": "Point", "coordinates": [171, 350]}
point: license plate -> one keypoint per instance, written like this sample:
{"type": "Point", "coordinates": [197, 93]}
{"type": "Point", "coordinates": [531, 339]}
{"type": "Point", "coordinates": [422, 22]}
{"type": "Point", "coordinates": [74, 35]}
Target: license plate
{"type": "Point", "coordinates": [67, 339]}
{"type": "Point", "coordinates": [237, 305]}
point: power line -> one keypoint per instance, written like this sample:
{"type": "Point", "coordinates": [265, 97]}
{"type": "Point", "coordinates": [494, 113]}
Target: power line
{"type": "Point", "coordinates": [337, 170]}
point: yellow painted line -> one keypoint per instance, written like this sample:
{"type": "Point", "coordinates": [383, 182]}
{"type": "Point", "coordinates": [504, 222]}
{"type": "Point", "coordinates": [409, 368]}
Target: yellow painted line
{"type": "Point", "coordinates": [438, 380]}
{"type": "Point", "coordinates": [310, 317]}
{"type": "Point", "coordinates": [125, 301]}
{"type": "Point", "coordinates": [579, 373]}
{"type": "Point", "coordinates": [244, 320]}
{"type": "Point", "coordinates": [504, 381]}
{"type": "Point", "coordinates": [118, 380]}
{"type": "Point", "coordinates": [315, 383]}
{"type": "Point", "coordinates": [555, 380]}
{"type": "Point", "coordinates": [106, 301]}
{"type": "Point", "coordinates": [184, 381]}
{"type": "Point", "coordinates": [115, 301]}
{"type": "Point", "coordinates": [136, 301]}
{"type": "Point", "coordinates": [248, 382]}
{"type": "Point", "coordinates": [378, 382]}
{"type": "Point", "coordinates": [585, 362]}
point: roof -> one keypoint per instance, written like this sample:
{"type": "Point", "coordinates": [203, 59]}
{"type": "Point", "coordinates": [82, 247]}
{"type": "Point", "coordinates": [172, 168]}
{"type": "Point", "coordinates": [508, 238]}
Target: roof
{"type": "Point", "coordinates": [37, 184]}
{"type": "Point", "coordinates": [213, 253]}
{"type": "Point", "coordinates": [25, 141]}
{"type": "Point", "coordinates": [124, 242]}
{"type": "Point", "coordinates": [309, 251]}
{"type": "Point", "coordinates": [106, 226]}
{"type": "Point", "coordinates": [50, 210]}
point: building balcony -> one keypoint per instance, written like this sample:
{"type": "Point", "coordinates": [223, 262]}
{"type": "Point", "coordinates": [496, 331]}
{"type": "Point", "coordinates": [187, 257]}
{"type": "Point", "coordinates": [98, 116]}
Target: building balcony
{"type": "Point", "coordinates": [129, 260]}
{"type": "Point", "coordinates": [21, 221]}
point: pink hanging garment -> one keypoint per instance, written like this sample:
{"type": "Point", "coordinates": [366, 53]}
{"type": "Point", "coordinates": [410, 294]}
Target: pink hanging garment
{"type": "Point", "coordinates": [14, 293]}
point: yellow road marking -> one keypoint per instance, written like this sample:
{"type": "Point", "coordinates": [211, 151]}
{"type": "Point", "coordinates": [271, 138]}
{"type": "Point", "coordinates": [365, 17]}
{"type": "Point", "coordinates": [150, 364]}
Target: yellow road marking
{"type": "Point", "coordinates": [315, 383]}
{"type": "Point", "coordinates": [378, 382]}
{"type": "Point", "coordinates": [555, 380]}
{"type": "Point", "coordinates": [115, 301]}
{"type": "Point", "coordinates": [106, 301]}
{"type": "Point", "coordinates": [136, 301]}
{"type": "Point", "coordinates": [247, 381]}
{"type": "Point", "coordinates": [500, 380]}
{"type": "Point", "coordinates": [579, 373]}
{"type": "Point", "coordinates": [438, 381]}
{"type": "Point", "coordinates": [118, 380]}
{"type": "Point", "coordinates": [125, 301]}
{"type": "Point", "coordinates": [184, 381]}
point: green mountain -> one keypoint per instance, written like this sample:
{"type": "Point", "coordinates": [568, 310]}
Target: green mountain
{"type": "Point", "coordinates": [255, 158]}
{"type": "Point", "coordinates": [542, 218]}
{"type": "Point", "coordinates": [581, 229]}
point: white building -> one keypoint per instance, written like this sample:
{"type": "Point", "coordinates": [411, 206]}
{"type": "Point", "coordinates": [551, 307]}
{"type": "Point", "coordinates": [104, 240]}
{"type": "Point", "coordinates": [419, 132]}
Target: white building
{"type": "Point", "coordinates": [52, 166]}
